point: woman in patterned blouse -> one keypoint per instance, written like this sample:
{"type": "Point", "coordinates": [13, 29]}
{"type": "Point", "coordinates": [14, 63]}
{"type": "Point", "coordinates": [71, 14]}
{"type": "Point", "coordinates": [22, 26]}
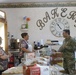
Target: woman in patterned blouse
{"type": "Point", "coordinates": [3, 58]}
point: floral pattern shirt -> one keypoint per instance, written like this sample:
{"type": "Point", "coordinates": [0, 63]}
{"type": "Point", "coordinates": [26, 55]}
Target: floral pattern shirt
{"type": "Point", "coordinates": [3, 62]}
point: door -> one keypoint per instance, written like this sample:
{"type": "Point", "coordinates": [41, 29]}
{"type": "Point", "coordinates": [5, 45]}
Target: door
{"type": "Point", "coordinates": [3, 30]}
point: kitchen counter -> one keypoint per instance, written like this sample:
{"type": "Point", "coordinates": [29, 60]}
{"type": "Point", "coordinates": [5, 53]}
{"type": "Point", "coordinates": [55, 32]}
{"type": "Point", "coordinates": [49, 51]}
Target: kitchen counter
{"type": "Point", "coordinates": [14, 50]}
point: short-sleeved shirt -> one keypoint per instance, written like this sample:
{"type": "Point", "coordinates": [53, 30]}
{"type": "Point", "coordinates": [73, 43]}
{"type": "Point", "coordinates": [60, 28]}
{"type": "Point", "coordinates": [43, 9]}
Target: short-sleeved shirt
{"type": "Point", "coordinates": [3, 62]}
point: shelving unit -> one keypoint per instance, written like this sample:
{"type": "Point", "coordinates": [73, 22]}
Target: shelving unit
{"type": "Point", "coordinates": [24, 30]}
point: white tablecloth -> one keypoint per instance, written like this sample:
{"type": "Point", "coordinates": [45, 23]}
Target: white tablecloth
{"type": "Point", "coordinates": [54, 70]}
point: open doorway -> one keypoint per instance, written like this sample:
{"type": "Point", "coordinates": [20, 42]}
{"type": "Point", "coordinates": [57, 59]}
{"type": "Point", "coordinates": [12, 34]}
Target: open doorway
{"type": "Point", "coordinates": [3, 30]}
{"type": "Point", "coordinates": [2, 35]}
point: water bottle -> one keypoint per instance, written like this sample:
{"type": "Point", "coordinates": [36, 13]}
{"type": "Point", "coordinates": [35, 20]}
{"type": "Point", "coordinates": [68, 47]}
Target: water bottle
{"type": "Point", "coordinates": [35, 45]}
{"type": "Point", "coordinates": [37, 53]}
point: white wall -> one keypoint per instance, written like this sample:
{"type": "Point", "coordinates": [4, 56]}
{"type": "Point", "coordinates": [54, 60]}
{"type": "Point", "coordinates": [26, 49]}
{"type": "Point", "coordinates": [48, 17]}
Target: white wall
{"type": "Point", "coordinates": [14, 20]}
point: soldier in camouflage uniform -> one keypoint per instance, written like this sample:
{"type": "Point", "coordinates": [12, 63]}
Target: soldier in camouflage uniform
{"type": "Point", "coordinates": [68, 49]}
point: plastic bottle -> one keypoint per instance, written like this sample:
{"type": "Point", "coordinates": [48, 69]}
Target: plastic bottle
{"type": "Point", "coordinates": [35, 45]}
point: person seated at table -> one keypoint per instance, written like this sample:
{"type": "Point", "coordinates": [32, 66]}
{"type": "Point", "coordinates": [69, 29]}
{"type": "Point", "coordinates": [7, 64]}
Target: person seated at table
{"type": "Point", "coordinates": [3, 58]}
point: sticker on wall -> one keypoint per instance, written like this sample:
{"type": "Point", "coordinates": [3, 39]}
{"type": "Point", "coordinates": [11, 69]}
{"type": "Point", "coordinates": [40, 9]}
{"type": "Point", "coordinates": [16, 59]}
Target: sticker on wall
{"type": "Point", "coordinates": [25, 25]}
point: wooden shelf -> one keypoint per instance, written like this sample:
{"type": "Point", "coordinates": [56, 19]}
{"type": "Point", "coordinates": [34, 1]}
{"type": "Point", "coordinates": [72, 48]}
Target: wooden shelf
{"type": "Point", "coordinates": [24, 30]}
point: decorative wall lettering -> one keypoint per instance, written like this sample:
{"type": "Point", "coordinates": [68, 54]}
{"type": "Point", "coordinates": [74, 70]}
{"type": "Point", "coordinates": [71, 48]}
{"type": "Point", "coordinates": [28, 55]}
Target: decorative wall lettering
{"type": "Point", "coordinates": [54, 14]}
{"type": "Point", "coordinates": [40, 24]}
{"type": "Point", "coordinates": [74, 25]}
{"type": "Point", "coordinates": [45, 19]}
{"type": "Point", "coordinates": [63, 13]}
{"type": "Point", "coordinates": [72, 15]}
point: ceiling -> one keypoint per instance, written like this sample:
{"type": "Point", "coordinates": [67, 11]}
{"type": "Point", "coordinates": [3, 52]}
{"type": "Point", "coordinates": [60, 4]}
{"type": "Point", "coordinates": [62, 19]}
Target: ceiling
{"type": "Point", "coordinates": [18, 1]}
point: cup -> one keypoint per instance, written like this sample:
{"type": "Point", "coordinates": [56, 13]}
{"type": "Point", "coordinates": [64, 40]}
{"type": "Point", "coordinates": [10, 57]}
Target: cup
{"type": "Point", "coordinates": [23, 60]}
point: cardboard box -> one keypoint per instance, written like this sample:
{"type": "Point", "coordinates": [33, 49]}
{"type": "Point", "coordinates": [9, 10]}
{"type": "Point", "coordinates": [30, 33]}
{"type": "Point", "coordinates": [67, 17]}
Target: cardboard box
{"type": "Point", "coordinates": [36, 70]}
{"type": "Point", "coordinates": [30, 56]}
{"type": "Point", "coordinates": [44, 70]}
{"type": "Point", "coordinates": [31, 70]}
